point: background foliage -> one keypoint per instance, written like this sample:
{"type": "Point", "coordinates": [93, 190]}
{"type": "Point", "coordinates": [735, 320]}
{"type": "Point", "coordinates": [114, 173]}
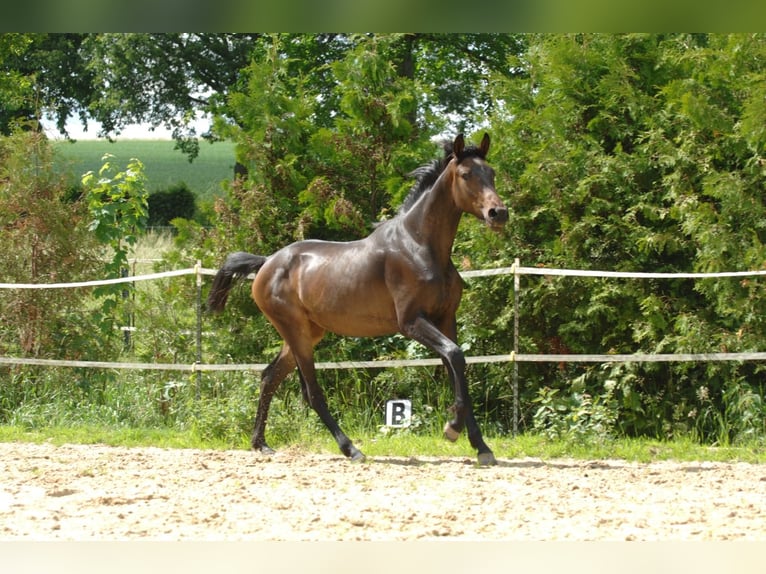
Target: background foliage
{"type": "Point", "coordinates": [640, 152]}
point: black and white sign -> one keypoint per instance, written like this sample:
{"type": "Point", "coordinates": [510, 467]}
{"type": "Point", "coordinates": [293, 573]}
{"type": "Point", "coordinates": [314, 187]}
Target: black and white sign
{"type": "Point", "coordinates": [398, 413]}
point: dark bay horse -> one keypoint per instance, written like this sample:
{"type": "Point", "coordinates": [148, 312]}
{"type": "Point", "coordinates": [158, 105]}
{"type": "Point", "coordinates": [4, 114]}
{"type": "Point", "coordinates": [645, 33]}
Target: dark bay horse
{"type": "Point", "coordinates": [400, 278]}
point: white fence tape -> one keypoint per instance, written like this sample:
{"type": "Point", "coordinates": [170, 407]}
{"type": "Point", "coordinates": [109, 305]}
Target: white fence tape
{"type": "Point", "coordinates": [131, 279]}
{"type": "Point", "coordinates": [465, 274]}
{"type": "Point", "coordinates": [387, 364]}
{"type": "Point", "coordinates": [634, 275]}
{"type": "Point", "coordinates": [510, 358]}
{"type": "Point", "coordinates": [613, 274]}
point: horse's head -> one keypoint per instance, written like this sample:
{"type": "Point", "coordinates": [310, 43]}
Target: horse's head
{"type": "Point", "coordinates": [473, 187]}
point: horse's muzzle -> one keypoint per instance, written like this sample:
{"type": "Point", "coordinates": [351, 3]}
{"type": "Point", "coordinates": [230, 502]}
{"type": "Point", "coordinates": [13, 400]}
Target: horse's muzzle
{"type": "Point", "coordinates": [497, 216]}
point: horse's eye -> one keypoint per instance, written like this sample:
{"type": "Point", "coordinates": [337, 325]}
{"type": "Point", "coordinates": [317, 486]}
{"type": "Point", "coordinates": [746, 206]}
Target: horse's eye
{"type": "Point", "coordinates": [466, 175]}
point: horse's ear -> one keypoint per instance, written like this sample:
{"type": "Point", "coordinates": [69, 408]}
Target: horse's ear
{"type": "Point", "coordinates": [458, 145]}
{"type": "Point", "coordinates": [484, 147]}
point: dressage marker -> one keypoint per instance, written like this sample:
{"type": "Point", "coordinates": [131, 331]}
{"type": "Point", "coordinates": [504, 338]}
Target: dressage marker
{"type": "Point", "coordinates": [398, 413]}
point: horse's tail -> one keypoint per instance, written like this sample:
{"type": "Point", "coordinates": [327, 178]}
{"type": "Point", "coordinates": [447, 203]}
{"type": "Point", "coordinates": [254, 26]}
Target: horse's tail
{"type": "Point", "coordinates": [237, 266]}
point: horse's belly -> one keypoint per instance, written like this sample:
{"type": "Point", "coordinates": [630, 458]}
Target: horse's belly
{"type": "Point", "coordinates": [357, 321]}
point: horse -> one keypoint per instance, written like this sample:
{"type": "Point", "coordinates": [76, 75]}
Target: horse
{"type": "Point", "coordinates": [399, 278]}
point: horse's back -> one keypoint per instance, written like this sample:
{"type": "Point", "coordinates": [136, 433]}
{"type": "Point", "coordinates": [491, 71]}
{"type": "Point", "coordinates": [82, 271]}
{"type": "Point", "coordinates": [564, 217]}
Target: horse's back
{"type": "Point", "coordinates": [339, 286]}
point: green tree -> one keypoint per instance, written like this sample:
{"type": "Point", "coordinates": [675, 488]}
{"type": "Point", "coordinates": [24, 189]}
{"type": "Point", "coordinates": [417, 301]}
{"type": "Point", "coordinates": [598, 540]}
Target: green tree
{"type": "Point", "coordinates": [639, 152]}
{"type": "Point", "coordinates": [118, 206]}
{"type": "Point", "coordinates": [163, 79]}
{"type": "Point", "coordinates": [43, 74]}
{"type": "Point", "coordinates": [373, 141]}
{"type": "Point", "coordinates": [45, 240]}
{"type": "Point", "coordinates": [183, 75]}
{"type": "Point", "coordinates": [270, 121]}
{"type": "Point", "coordinates": [15, 86]}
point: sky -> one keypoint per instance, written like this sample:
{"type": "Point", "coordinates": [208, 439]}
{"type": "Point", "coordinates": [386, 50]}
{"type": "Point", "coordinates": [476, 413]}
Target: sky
{"type": "Point", "coordinates": [135, 131]}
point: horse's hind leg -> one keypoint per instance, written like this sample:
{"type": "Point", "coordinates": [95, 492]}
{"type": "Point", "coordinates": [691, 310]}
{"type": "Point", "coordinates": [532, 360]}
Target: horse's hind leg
{"type": "Point", "coordinates": [318, 403]}
{"type": "Point", "coordinates": [271, 378]}
{"type": "Point", "coordinates": [315, 397]}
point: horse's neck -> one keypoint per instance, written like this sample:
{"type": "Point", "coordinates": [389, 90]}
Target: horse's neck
{"type": "Point", "coordinates": [434, 219]}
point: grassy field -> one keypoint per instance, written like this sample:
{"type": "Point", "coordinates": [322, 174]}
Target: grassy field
{"type": "Point", "coordinates": [164, 165]}
{"type": "Point", "coordinates": [403, 444]}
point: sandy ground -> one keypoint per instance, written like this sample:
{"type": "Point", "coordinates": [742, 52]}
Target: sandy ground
{"type": "Point", "coordinates": [97, 493]}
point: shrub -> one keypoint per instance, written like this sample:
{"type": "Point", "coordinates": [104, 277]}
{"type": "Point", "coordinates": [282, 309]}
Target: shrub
{"type": "Point", "coordinates": [167, 205]}
{"type": "Point", "coordinates": [45, 239]}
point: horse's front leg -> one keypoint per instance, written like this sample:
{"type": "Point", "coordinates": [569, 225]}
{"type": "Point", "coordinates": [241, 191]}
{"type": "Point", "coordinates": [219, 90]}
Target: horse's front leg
{"type": "Point", "coordinates": [426, 333]}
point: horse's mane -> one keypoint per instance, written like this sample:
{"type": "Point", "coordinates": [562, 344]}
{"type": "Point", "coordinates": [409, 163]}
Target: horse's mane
{"type": "Point", "coordinates": [427, 174]}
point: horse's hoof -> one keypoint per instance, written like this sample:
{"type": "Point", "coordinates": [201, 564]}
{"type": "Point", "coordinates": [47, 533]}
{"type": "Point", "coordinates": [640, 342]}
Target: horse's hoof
{"type": "Point", "coordinates": [358, 456]}
{"type": "Point", "coordinates": [487, 459]}
{"type": "Point", "coordinates": [450, 434]}
{"type": "Point", "coordinates": [264, 449]}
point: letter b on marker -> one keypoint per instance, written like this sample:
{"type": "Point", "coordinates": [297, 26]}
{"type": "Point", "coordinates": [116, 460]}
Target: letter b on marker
{"type": "Point", "coordinates": [398, 413]}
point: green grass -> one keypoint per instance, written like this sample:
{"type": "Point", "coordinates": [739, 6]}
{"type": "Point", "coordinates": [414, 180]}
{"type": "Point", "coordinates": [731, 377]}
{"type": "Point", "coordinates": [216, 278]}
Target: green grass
{"type": "Point", "coordinates": [403, 445]}
{"type": "Point", "coordinates": [535, 446]}
{"type": "Point", "coordinates": [164, 166]}
{"type": "Point", "coordinates": [128, 437]}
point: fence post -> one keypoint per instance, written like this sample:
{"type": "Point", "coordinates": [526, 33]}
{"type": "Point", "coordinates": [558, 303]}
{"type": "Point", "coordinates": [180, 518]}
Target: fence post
{"type": "Point", "coordinates": [198, 272]}
{"type": "Point", "coordinates": [516, 285]}
{"type": "Point", "coordinates": [127, 318]}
